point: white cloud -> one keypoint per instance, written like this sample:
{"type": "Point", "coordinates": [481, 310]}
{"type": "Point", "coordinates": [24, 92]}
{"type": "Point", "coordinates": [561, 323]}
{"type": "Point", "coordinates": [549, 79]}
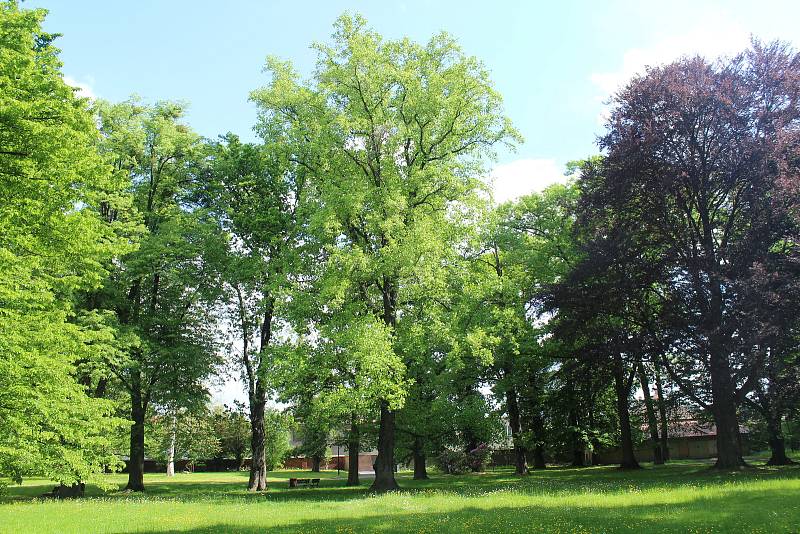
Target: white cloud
{"type": "Point", "coordinates": [518, 178]}
{"type": "Point", "coordinates": [84, 88]}
{"type": "Point", "coordinates": [711, 40]}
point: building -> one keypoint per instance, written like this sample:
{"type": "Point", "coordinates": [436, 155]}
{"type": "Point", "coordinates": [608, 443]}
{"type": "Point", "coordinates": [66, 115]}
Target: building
{"type": "Point", "coordinates": [688, 439]}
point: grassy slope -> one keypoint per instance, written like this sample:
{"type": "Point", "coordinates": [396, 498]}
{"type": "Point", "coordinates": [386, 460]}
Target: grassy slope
{"type": "Point", "coordinates": [681, 497]}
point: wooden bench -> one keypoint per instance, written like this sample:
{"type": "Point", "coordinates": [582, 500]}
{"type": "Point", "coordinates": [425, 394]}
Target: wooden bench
{"type": "Point", "coordinates": [66, 492]}
{"type": "Point", "coordinates": [304, 482]}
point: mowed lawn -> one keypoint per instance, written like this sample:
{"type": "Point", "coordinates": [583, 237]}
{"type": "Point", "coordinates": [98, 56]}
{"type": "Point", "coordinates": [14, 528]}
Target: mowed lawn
{"type": "Point", "coordinates": [680, 497]}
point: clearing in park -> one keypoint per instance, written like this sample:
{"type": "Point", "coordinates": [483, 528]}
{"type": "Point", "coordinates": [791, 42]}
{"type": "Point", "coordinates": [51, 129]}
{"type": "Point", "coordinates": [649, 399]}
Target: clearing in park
{"type": "Point", "coordinates": [682, 496]}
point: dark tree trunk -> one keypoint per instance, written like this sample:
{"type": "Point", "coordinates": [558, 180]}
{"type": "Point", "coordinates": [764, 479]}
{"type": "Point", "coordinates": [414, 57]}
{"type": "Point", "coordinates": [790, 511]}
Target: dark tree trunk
{"type": "Point", "coordinates": [516, 435]}
{"type": "Point", "coordinates": [257, 398]}
{"type": "Point", "coordinates": [353, 448]}
{"type": "Point", "coordinates": [136, 463]}
{"type": "Point", "coordinates": [723, 387]}
{"type": "Point", "coordinates": [622, 389]}
{"type": "Point", "coordinates": [662, 412]}
{"type": "Point", "coordinates": [258, 465]}
{"type": "Point", "coordinates": [470, 442]}
{"type": "Point", "coordinates": [777, 444]}
{"type": "Point", "coordinates": [538, 459]}
{"type": "Point", "coordinates": [384, 463]}
{"type": "Point", "coordinates": [420, 469]}
{"type": "Point", "coordinates": [315, 461]}
{"type": "Point", "coordinates": [652, 422]}
{"type": "Point", "coordinates": [577, 444]}
{"type": "Point", "coordinates": [100, 390]}
{"type": "Point", "coordinates": [729, 452]}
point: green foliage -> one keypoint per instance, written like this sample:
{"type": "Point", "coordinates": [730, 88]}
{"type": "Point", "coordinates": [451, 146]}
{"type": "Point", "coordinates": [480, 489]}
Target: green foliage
{"type": "Point", "coordinates": [232, 428]}
{"type": "Point", "coordinates": [314, 434]}
{"type": "Point", "coordinates": [191, 433]}
{"type": "Point", "coordinates": [276, 442]}
{"type": "Point", "coordinates": [391, 137]}
{"type": "Point", "coordinates": [163, 294]}
{"type": "Point", "coordinates": [55, 244]}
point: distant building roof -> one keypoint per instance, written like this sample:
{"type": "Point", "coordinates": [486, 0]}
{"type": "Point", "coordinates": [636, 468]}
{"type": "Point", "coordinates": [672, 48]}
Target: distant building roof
{"type": "Point", "coordinates": [692, 428]}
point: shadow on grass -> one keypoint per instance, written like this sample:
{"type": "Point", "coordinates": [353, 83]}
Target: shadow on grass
{"type": "Point", "coordinates": [553, 481]}
{"type": "Point", "coordinates": [738, 511]}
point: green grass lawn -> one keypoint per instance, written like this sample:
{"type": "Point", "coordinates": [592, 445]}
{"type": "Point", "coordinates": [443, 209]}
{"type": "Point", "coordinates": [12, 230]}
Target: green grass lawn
{"type": "Point", "coordinates": [680, 497]}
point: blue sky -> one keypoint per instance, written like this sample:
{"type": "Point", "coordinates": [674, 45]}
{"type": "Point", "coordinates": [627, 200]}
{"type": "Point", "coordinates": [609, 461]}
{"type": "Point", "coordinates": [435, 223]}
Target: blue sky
{"type": "Point", "coordinates": [554, 62]}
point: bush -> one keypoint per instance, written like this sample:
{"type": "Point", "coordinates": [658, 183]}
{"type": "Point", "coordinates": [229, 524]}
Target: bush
{"type": "Point", "coordinates": [456, 462]}
{"type": "Point", "coordinates": [452, 462]}
{"type": "Point", "coordinates": [478, 458]}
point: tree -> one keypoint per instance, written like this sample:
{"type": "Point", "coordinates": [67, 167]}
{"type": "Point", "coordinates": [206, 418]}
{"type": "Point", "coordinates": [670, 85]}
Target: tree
{"type": "Point", "coordinates": [497, 312]}
{"type": "Point", "coordinates": [314, 437]}
{"type": "Point", "coordinates": [337, 373]}
{"type": "Point", "coordinates": [232, 427]}
{"type": "Point", "coordinates": [181, 434]}
{"type": "Point", "coordinates": [276, 448]}
{"type": "Point", "coordinates": [55, 245]}
{"type": "Point", "coordinates": [693, 161]}
{"type": "Point", "coordinates": [257, 197]}
{"type": "Point", "coordinates": [163, 294]}
{"type": "Point", "coordinates": [525, 247]}
{"type": "Point", "coordinates": [772, 294]}
{"type": "Point", "coordinates": [392, 135]}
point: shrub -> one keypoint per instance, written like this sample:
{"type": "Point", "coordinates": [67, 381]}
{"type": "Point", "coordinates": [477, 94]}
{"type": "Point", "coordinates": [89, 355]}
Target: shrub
{"type": "Point", "coordinates": [478, 458]}
{"type": "Point", "coordinates": [452, 462]}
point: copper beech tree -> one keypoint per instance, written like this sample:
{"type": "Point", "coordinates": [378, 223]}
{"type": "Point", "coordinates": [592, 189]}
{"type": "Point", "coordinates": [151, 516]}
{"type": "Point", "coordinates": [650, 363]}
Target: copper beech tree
{"type": "Point", "coordinates": [695, 154]}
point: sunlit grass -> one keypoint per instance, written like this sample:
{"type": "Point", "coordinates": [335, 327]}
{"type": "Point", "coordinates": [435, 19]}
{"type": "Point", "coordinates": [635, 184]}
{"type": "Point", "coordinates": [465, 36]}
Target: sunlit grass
{"type": "Point", "coordinates": [681, 497]}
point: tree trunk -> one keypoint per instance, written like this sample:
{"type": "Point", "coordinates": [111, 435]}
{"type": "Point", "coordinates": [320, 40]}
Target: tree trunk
{"type": "Point", "coordinates": [171, 450]}
{"type": "Point", "coordinates": [652, 422]}
{"type": "Point", "coordinates": [353, 448]}
{"type": "Point", "coordinates": [622, 389]}
{"type": "Point", "coordinates": [662, 412]}
{"type": "Point", "coordinates": [539, 461]}
{"type": "Point", "coordinates": [315, 461]}
{"type": "Point", "coordinates": [538, 449]}
{"type": "Point", "coordinates": [136, 463]}
{"type": "Point", "coordinates": [777, 444]}
{"type": "Point", "coordinates": [384, 463]}
{"type": "Point", "coordinates": [729, 452]}
{"type": "Point", "coordinates": [723, 386]}
{"type": "Point", "coordinates": [420, 469]}
{"type": "Point", "coordinates": [258, 465]}
{"type": "Point", "coordinates": [577, 444]}
{"type": "Point", "coordinates": [520, 468]}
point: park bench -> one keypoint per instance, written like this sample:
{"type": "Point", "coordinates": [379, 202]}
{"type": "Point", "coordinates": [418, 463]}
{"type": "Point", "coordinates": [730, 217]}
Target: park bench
{"type": "Point", "coordinates": [304, 482]}
{"type": "Point", "coordinates": [66, 492]}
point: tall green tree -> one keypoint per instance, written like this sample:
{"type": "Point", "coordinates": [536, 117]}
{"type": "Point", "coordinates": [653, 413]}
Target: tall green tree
{"type": "Point", "coordinates": [54, 246]}
{"type": "Point", "coordinates": [163, 294]}
{"type": "Point", "coordinates": [257, 196]}
{"type": "Point", "coordinates": [528, 246]}
{"type": "Point", "coordinates": [392, 135]}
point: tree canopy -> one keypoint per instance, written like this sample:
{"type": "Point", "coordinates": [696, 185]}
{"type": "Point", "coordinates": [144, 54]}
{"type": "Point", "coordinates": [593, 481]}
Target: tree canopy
{"type": "Point", "coordinates": [352, 269]}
